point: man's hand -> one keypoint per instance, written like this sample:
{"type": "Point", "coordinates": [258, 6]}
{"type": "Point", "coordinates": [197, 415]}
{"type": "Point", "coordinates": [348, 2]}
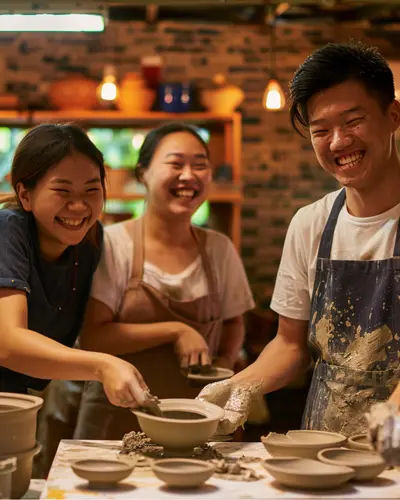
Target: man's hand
{"type": "Point", "coordinates": [234, 398]}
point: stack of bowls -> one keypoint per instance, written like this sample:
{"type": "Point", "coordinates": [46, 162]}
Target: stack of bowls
{"type": "Point", "coordinates": [18, 417]}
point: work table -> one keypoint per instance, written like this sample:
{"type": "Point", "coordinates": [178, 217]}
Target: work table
{"type": "Point", "coordinates": [142, 484]}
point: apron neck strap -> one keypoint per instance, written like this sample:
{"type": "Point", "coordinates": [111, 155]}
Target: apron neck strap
{"type": "Point", "coordinates": [325, 245]}
{"type": "Point", "coordinates": [396, 252]}
{"type": "Point", "coordinates": [138, 253]}
{"type": "Point", "coordinates": [201, 238]}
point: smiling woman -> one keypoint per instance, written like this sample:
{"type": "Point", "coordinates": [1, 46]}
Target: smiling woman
{"type": "Point", "coordinates": [167, 295]}
{"type": "Point", "coordinates": [49, 249]}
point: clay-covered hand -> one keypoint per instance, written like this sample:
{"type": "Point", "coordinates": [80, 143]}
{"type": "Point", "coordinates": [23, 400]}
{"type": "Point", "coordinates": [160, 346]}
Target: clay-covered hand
{"type": "Point", "coordinates": [122, 382]}
{"type": "Point", "coordinates": [191, 347]}
{"type": "Point", "coordinates": [234, 397]}
{"type": "Point", "coordinates": [384, 430]}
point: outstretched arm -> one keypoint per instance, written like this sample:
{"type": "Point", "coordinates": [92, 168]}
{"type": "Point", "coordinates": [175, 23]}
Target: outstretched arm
{"type": "Point", "coordinates": [279, 363]}
{"type": "Point", "coordinates": [33, 354]}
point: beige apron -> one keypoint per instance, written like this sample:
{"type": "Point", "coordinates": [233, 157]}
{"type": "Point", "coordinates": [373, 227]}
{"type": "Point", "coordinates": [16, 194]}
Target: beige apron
{"type": "Point", "coordinates": [142, 303]}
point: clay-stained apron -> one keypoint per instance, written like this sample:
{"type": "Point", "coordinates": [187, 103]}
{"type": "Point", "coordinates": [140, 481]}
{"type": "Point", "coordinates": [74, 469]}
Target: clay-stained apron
{"type": "Point", "coordinates": [97, 418]}
{"type": "Point", "coordinates": [354, 334]}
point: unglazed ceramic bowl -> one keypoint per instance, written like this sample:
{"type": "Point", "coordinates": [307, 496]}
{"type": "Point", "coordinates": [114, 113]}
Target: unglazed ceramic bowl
{"type": "Point", "coordinates": [306, 473]}
{"type": "Point", "coordinates": [178, 432]}
{"type": "Point", "coordinates": [366, 464]}
{"type": "Point", "coordinates": [102, 473]}
{"type": "Point", "coordinates": [360, 442]}
{"type": "Point", "coordinates": [182, 472]}
{"type": "Point", "coordinates": [301, 443]}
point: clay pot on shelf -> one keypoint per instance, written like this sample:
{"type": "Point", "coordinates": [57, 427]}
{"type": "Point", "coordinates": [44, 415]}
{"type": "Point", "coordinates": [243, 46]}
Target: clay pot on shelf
{"type": "Point", "coordinates": [133, 95]}
{"type": "Point", "coordinates": [73, 92]}
{"type": "Point", "coordinates": [223, 98]}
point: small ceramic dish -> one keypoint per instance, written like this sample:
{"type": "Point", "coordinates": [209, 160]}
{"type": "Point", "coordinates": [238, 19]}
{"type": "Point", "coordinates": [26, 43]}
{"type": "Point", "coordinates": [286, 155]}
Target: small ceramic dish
{"type": "Point", "coordinates": [366, 464]}
{"type": "Point", "coordinates": [214, 374]}
{"type": "Point", "coordinates": [301, 443]}
{"type": "Point", "coordinates": [102, 472]}
{"type": "Point", "coordinates": [360, 442]}
{"type": "Point", "coordinates": [182, 472]}
{"type": "Point", "coordinates": [306, 473]}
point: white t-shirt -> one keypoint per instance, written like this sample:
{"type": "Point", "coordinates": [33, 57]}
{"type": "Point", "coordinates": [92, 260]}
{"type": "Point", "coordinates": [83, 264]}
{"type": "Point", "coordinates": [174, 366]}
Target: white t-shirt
{"type": "Point", "coordinates": [115, 268]}
{"type": "Point", "coordinates": [355, 238]}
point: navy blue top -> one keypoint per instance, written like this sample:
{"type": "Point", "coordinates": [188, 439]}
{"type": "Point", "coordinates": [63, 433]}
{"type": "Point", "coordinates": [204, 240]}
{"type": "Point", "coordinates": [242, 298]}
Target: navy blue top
{"type": "Point", "coordinates": [57, 292]}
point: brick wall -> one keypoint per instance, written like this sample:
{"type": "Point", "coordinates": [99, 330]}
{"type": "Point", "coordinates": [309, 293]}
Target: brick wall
{"type": "Point", "coordinates": [280, 173]}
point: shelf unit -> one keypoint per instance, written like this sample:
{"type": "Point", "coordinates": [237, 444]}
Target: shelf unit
{"type": "Point", "coordinates": [225, 148]}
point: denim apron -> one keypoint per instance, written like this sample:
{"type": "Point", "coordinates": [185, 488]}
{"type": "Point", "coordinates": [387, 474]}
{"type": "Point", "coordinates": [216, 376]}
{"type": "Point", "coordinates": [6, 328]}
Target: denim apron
{"type": "Point", "coordinates": [354, 335]}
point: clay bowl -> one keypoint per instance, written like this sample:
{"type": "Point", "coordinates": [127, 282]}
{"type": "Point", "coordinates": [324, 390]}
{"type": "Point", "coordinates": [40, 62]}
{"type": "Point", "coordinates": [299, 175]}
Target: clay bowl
{"type": "Point", "coordinates": [102, 473]}
{"type": "Point", "coordinates": [177, 429]}
{"type": "Point", "coordinates": [360, 442]}
{"type": "Point", "coordinates": [366, 464]}
{"type": "Point", "coordinates": [306, 473]}
{"type": "Point", "coordinates": [18, 415]}
{"type": "Point", "coordinates": [182, 472]}
{"type": "Point", "coordinates": [300, 443]}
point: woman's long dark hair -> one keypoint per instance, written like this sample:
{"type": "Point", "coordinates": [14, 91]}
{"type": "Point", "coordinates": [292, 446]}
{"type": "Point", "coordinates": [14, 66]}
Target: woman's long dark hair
{"type": "Point", "coordinates": [42, 148]}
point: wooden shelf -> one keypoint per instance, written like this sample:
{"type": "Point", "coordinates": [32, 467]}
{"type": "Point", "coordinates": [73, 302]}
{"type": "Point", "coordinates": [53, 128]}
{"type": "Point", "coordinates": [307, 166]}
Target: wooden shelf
{"type": "Point", "coordinates": [118, 117]}
{"type": "Point", "coordinates": [108, 117]}
{"type": "Point", "coordinates": [224, 145]}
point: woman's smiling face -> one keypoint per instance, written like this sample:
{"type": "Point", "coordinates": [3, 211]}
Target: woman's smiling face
{"type": "Point", "coordinates": [65, 202]}
{"type": "Point", "coordinates": [179, 174]}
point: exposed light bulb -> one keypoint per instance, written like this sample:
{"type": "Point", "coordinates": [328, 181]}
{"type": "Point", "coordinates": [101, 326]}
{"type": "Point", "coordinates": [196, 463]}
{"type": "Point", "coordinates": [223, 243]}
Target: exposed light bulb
{"type": "Point", "coordinates": [108, 89]}
{"type": "Point", "coordinates": [274, 98]}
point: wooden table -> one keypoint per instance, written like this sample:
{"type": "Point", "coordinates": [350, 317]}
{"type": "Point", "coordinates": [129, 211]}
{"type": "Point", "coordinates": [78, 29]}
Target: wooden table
{"type": "Point", "coordinates": [142, 484]}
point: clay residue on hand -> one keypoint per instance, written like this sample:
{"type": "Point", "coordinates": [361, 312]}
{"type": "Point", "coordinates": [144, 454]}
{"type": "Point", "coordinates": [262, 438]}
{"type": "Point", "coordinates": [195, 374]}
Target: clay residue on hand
{"type": "Point", "coordinates": [238, 406]}
{"type": "Point", "coordinates": [376, 416]}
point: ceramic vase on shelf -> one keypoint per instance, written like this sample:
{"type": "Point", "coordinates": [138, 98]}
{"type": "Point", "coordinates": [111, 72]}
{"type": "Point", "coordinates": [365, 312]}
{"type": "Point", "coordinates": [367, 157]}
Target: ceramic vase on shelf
{"type": "Point", "coordinates": [175, 97]}
{"type": "Point", "coordinates": [223, 98]}
{"type": "Point", "coordinates": [73, 92]}
{"type": "Point", "coordinates": [133, 95]}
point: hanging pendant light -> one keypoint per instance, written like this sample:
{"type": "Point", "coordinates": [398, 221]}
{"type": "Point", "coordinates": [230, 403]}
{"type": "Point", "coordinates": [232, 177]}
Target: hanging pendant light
{"type": "Point", "coordinates": [273, 97]}
{"type": "Point", "coordinates": [108, 89]}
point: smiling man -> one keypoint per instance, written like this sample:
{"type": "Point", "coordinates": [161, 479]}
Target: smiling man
{"type": "Point", "coordinates": [337, 291]}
